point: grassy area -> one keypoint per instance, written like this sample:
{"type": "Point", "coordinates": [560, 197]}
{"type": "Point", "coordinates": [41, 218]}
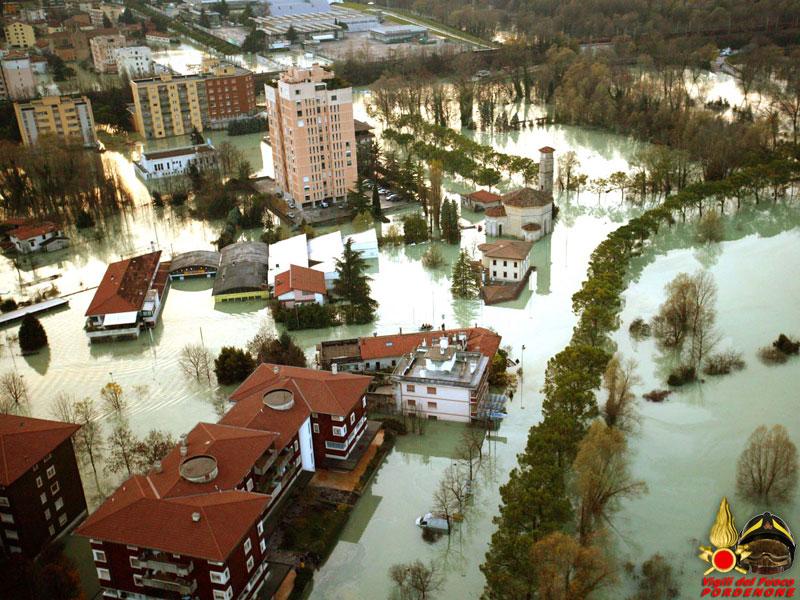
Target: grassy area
{"type": "Point", "coordinates": [406, 16]}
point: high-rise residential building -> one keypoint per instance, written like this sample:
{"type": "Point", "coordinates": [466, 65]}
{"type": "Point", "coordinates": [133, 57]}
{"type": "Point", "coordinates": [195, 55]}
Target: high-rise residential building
{"type": "Point", "coordinates": [41, 495]}
{"type": "Point", "coordinates": [20, 35]}
{"type": "Point", "coordinates": [166, 105]}
{"type": "Point", "coordinates": [312, 135]}
{"type": "Point", "coordinates": [64, 116]}
{"type": "Point", "coordinates": [134, 61]}
{"type": "Point", "coordinates": [17, 76]}
{"type": "Point", "coordinates": [103, 51]}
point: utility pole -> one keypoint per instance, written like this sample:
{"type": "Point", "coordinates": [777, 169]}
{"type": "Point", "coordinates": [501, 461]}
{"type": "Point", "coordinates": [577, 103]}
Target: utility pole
{"type": "Point", "coordinates": [522, 375]}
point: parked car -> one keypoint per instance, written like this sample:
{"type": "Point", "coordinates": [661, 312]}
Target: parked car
{"type": "Point", "coordinates": [394, 198]}
{"type": "Point", "coordinates": [430, 521]}
{"type": "Point", "coordinates": [382, 190]}
{"type": "Point", "coordinates": [324, 204]}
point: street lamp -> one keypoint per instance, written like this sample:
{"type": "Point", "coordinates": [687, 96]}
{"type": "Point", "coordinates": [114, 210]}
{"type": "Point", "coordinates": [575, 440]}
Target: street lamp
{"type": "Point", "coordinates": [522, 375]}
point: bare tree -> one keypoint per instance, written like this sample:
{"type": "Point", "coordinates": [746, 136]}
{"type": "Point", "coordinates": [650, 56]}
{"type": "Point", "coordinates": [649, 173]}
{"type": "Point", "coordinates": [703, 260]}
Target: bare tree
{"type": "Point", "coordinates": [122, 445]}
{"type": "Point", "coordinates": [63, 408]}
{"type": "Point", "coordinates": [416, 580]}
{"type": "Point", "coordinates": [113, 397]}
{"type": "Point", "coordinates": [89, 442]}
{"type": "Point", "coordinates": [470, 448]}
{"type": "Point", "coordinates": [618, 380]}
{"type": "Point", "coordinates": [195, 361]}
{"type": "Point", "coordinates": [13, 394]}
{"type": "Point", "coordinates": [602, 477]}
{"type": "Point", "coordinates": [154, 447]}
{"type": "Point", "coordinates": [456, 479]}
{"type": "Point", "coordinates": [767, 469]}
{"type": "Point", "coordinates": [445, 501]}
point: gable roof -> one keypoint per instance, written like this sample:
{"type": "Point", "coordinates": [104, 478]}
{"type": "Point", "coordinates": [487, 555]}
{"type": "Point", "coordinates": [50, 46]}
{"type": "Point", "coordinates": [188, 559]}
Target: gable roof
{"type": "Point", "coordinates": [312, 390]}
{"type": "Point", "coordinates": [479, 339]}
{"type": "Point", "coordinates": [25, 441]}
{"type": "Point", "coordinates": [300, 278]}
{"type": "Point", "coordinates": [527, 197]}
{"type": "Point", "coordinates": [26, 232]}
{"type": "Point", "coordinates": [513, 249]}
{"type": "Point", "coordinates": [484, 197]}
{"type": "Point", "coordinates": [133, 515]}
{"type": "Point", "coordinates": [125, 285]}
{"type": "Point", "coordinates": [495, 211]}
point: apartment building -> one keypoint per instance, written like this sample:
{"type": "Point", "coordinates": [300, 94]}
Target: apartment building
{"type": "Point", "coordinates": [104, 49]}
{"type": "Point", "coordinates": [441, 381]}
{"type": "Point", "coordinates": [312, 135]}
{"type": "Point", "coordinates": [41, 494]}
{"type": "Point", "coordinates": [134, 61]}
{"type": "Point", "coordinates": [167, 105]}
{"type": "Point", "coordinates": [20, 35]}
{"type": "Point", "coordinates": [17, 75]}
{"type": "Point", "coordinates": [69, 118]}
{"type": "Point", "coordinates": [196, 525]}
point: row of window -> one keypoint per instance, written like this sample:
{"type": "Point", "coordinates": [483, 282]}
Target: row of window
{"type": "Point", "coordinates": [410, 387]}
{"type": "Point", "coordinates": [431, 405]}
{"type": "Point", "coordinates": [505, 262]}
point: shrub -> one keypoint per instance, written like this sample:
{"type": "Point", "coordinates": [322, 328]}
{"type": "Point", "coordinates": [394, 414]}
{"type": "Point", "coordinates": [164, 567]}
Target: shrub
{"type": "Point", "coordinates": [657, 395]}
{"type": "Point", "coordinates": [415, 229]}
{"type": "Point", "coordinates": [8, 305]}
{"type": "Point", "coordinates": [178, 198]}
{"type": "Point", "coordinates": [392, 237]}
{"type": "Point", "coordinates": [32, 336]}
{"type": "Point", "coordinates": [84, 219]}
{"type": "Point", "coordinates": [710, 228]}
{"type": "Point", "coordinates": [395, 425]}
{"type": "Point", "coordinates": [639, 329]}
{"type": "Point", "coordinates": [158, 199]}
{"type": "Point", "coordinates": [786, 345]}
{"type": "Point", "coordinates": [432, 258]}
{"type": "Point", "coordinates": [772, 356]}
{"type": "Point", "coordinates": [305, 316]}
{"type": "Point", "coordinates": [233, 365]}
{"type": "Point", "coordinates": [723, 363]}
{"type": "Point", "coordinates": [682, 375]}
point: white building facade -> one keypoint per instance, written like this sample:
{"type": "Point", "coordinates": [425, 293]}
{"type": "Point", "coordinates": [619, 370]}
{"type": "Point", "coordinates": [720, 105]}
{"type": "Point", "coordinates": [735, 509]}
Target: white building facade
{"type": "Point", "coordinates": [177, 161]}
{"type": "Point", "coordinates": [134, 61]}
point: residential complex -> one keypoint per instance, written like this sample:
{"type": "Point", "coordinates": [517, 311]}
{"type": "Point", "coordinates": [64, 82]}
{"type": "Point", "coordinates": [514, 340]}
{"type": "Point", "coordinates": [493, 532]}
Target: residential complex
{"type": "Point", "coordinates": [17, 76]}
{"type": "Point", "coordinates": [374, 353]}
{"type": "Point", "coordinates": [69, 118]}
{"type": "Point", "coordinates": [20, 35]}
{"type": "Point", "coordinates": [41, 494]}
{"type": "Point", "coordinates": [443, 380]}
{"type": "Point", "coordinates": [128, 298]}
{"type": "Point", "coordinates": [196, 524]}
{"type": "Point", "coordinates": [312, 136]}
{"type": "Point", "coordinates": [104, 49]}
{"type": "Point", "coordinates": [166, 104]}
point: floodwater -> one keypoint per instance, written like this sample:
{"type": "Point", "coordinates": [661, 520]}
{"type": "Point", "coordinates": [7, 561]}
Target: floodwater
{"type": "Point", "coordinates": [686, 448]}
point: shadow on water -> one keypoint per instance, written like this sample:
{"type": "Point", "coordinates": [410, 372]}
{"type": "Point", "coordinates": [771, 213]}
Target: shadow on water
{"type": "Point", "coordinates": [40, 361]}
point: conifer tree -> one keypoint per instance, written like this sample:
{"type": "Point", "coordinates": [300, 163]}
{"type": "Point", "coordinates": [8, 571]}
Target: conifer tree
{"type": "Point", "coordinates": [352, 286]}
{"type": "Point", "coordinates": [465, 282]}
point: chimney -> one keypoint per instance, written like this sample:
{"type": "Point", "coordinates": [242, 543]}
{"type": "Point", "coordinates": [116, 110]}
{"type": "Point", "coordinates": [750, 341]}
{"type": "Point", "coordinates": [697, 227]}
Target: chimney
{"type": "Point", "coordinates": [276, 369]}
{"type": "Point", "coordinates": [546, 169]}
{"type": "Point", "coordinates": [157, 467]}
{"type": "Point", "coordinates": [196, 517]}
{"type": "Point", "coordinates": [184, 445]}
{"type": "Point", "coordinates": [334, 368]}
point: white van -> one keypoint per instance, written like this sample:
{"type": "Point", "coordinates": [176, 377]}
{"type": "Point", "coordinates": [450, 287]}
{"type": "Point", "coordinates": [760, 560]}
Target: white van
{"type": "Point", "coordinates": [429, 521]}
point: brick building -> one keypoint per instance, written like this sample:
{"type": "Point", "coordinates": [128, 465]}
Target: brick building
{"type": "Point", "coordinates": [41, 494]}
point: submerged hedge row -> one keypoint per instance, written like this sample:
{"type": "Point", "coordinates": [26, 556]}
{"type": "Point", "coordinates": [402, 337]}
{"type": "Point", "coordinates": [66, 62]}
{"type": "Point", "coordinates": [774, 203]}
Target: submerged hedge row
{"type": "Point", "coordinates": [535, 501]}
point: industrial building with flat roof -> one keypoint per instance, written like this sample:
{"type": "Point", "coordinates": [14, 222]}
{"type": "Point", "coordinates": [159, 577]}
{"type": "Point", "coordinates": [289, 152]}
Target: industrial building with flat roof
{"type": "Point", "coordinates": [242, 273]}
{"type": "Point", "coordinates": [396, 34]}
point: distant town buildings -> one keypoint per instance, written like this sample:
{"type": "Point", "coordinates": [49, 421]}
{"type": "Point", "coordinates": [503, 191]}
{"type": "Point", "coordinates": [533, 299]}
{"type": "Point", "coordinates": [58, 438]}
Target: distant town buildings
{"type": "Point", "coordinates": [104, 49]}
{"type": "Point", "coordinates": [506, 260]}
{"type": "Point", "coordinates": [41, 494]}
{"type": "Point", "coordinates": [20, 35]}
{"type": "Point", "coordinates": [166, 105]}
{"type": "Point", "coordinates": [17, 76]}
{"type": "Point", "coordinates": [127, 299]}
{"type": "Point", "coordinates": [158, 164]}
{"type": "Point", "coordinates": [311, 22]}
{"type": "Point", "coordinates": [47, 237]}
{"type": "Point", "coordinates": [69, 118]}
{"type": "Point", "coordinates": [197, 524]}
{"type": "Point", "coordinates": [312, 136]}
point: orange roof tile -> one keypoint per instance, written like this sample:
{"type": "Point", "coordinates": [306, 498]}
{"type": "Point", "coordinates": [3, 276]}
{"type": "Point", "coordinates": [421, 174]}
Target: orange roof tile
{"type": "Point", "coordinates": [484, 197]}
{"type": "Point", "coordinates": [527, 197]}
{"type": "Point", "coordinates": [134, 515]}
{"type": "Point", "coordinates": [124, 285]}
{"type": "Point", "coordinates": [495, 211]}
{"type": "Point", "coordinates": [300, 278]}
{"type": "Point", "coordinates": [479, 339]}
{"type": "Point", "coordinates": [27, 232]}
{"type": "Point", "coordinates": [513, 249]}
{"type": "Point", "coordinates": [25, 441]}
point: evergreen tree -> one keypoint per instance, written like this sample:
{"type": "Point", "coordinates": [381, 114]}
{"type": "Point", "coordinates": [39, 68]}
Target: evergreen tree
{"type": "Point", "coordinates": [415, 229]}
{"type": "Point", "coordinates": [233, 365]}
{"type": "Point", "coordinates": [465, 282]}
{"type": "Point", "coordinates": [376, 201]}
{"type": "Point", "coordinates": [291, 34]}
{"type": "Point", "coordinates": [450, 229]}
{"type": "Point", "coordinates": [357, 199]}
{"type": "Point", "coordinates": [352, 286]}
{"type": "Point", "coordinates": [32, 336]}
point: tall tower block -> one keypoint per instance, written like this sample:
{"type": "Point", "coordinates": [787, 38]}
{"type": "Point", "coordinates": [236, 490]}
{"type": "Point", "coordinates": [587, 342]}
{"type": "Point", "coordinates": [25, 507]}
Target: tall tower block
{"type": "Point", "coordinates": [546, 169]}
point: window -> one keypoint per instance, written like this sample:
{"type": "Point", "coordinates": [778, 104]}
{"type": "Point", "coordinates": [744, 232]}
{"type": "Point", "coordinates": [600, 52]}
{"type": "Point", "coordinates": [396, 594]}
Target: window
{"type": "Point", "coordinates": [494, 262]}
{"type": "Point", "coordinates": [59, 504]}
{"type": "Point", "coordinates": [43, 497]}
{"type": "Point", "coordinates": [260, 528]}
{"type": "Point", "coordinates": [515, 263]}
{"type": "Point", "coordinates": [103, 574]}
{"type": "Point", "coordinates": [54, 488]}
{"type": "Point", "coordinates": [39, 482]}
{"type": "Point", "coordinates": [315, 427]}
{"type": "Point", "coordinates": [410, 387]}
{"type": "Point", "coordinates": [505, 274]}
{"type": "Point", "coordinates": [250, 562]}
{"type": "Point", "coordinates": [137, 580]}
{"type": "Point", "coordinates": [98, 556]}
{"type": "Point", "coordinates": [431, 390]}
{"type": "Point", "coordinates": [47, 514]}
{"type": "Point", "coordinates": [335, 446]}
{"type": "Point", "coordinates": [217, 577]}
{"type": "Point", "coordinates": [339, 431]}
{"type": "Point", "coordinates": [411, 402]}
{"type": "Point", "coordinates": [262, 545]}
{"type": "Point", "coordinates": [296, 445]}
{"type": "Point", "coordinates": [6, 518]}
{"type": "Point", "coordinates": [352, 418]}
{"type": "Point", "coordinates": [432, 405]}
{"type": "Point", "coordinates": [364, 402]}
{"type": "Point", "coordinates": [505, 263]}
{"type": "Point", "coordinates": [134, 562]}
{"type": "Point", "coordinates": [4, 501]}
{"type": "Point", "coordinates": [51, 471]}
{"type": "Point", "coordinates": [12, 535]}
{"type": "Point", "coordinates": [52, 530]}
{"type": "Point", "coordinates": [248, 545]}
{"type": "Point", "coordinates": [62, 520]}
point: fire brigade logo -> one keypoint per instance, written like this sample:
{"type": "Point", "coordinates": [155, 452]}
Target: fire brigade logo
{"type": "Point", "coordinates": [764, 546]}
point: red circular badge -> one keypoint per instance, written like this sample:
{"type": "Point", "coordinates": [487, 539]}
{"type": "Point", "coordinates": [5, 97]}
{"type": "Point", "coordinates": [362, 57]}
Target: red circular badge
{"type": "Point", "coordinates": [724, 560]}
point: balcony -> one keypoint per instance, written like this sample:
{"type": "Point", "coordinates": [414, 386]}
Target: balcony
{"type": "Point", "coordinates": [156, 563]}
{"type": "Point", "coordinates": [170, 583]}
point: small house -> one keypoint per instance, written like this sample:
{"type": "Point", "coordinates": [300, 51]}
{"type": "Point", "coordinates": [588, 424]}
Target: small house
{"type": "Point", "coordinates": [300, 285]}
{"type": "Point", "coordinates": [42, 237]}
{"type": "Point", "coordinates": [506, 260]}
{"type": "Point", "coordinates": [481, 200]}
{"type": "Point", "coordinates": [176, 161]}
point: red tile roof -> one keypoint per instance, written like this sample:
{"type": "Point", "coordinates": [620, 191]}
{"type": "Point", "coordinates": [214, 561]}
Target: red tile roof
{"type": "Point", "coordinates": [26, 232]}
{"type": "Point", "coordinates": [527, 198]}
{"type": "Point", "coordinates": [495, 211]}
{"type": "Point", "coordinates": [133, 515]}
{"type": "Point", "coordinates": [484, 197]}
{"type": "Point", "coordinates": [513, 249]}
{"type": "Point", "coordinates": [25, 441]}
{"type": "Point", "coordinates": [547, 149]}
{"type": "Point", "coordinates": [313, 391]}
{"type": "Point", "coordinates": [531, 227]}
{"type": "Point", "coordinates": [235, 449]}
{"type": "Point", "coordinates": [479, 339]}
{"type": "Point", "coordinates": [300, 278]}
{"type": "Point", "coordinates": [124, 285]}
